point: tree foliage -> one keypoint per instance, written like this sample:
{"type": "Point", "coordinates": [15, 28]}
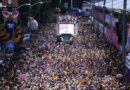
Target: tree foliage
{"type": "Point", "coordinates": [37, 11]}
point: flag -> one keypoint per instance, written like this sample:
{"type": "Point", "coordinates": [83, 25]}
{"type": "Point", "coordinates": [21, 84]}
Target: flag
{"type": "Point", "coordinates": [18, 35]}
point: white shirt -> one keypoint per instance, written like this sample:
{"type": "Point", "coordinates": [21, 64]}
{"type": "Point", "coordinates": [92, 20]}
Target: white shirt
{"type": "Point", "coordinates": [33, 24]}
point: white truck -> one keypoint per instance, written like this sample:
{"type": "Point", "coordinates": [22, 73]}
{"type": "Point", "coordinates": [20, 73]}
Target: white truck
{"type": "Point", "coordinates": [66, 31]}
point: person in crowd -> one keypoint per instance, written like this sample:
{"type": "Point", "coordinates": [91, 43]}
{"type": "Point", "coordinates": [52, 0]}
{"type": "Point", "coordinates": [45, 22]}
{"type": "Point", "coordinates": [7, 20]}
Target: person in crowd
{"type": "Point", "coordinates": [49, 65]}
{"type": "Point", "coordinates": [32, 25]}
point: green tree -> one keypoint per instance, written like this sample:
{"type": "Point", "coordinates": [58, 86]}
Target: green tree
{"type": "Point", "coordinates": [36, 10]}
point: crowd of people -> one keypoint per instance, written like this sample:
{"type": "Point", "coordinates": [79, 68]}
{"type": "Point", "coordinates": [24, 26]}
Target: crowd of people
{"type": "Point", "coordinates": [90, 63]}
{"type": "Point", "coordinates": [67, 19]}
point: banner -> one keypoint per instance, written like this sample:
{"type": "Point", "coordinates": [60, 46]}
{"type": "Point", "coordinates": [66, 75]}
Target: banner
{"type": "Point", "coordinates": [111, 36]}
{"type": "Point", "coordinates": [113, 21]}
{"type": "Point", "coordinates": [107, 32]}
{"type": "Point", "coordinates": [100, 27]}
{"type": "Point", "coordinates": [115, 40]}
{"type": "Point", "coordinates": [10, 44]}
{"type": "Point", "coordinates": [96, 24]}
{"type": "Point", "coordinates": [101, 17]}
{"type": "Point", "coordinates": [127, 74]}
{"type": "Point", "coordinates": [107, 18]}
{"type": "Point", "coordinates": [128, 36]}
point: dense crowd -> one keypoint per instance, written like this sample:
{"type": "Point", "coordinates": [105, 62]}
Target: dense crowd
{"type": "Point", "coordinates": [90, 63]}
{"type": "Point", "coordinates": [67, 19]}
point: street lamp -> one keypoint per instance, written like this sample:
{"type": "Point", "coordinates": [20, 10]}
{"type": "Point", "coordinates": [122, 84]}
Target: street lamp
{"type": "Point", "coordinates": [26, 4]}
{"type": "Point", "coordinates": [37, 3]}
{"type": "Point", "coordinates": [30, 8]}
{"type": "Point", "coordinates": [40, 2]}
{"type": "Point", "coordinates": [39, 7]}
{"type": "Point", "coordinates": [124, 29]}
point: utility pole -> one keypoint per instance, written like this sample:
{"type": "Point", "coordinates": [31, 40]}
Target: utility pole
{"type": "Point", "coordinates": [30, 8]}
{"type": "Point", "coordinates": [39, 14]}
{"type": "Point", "coordinates": [91, 14]}
{"type": "Point", "coordinates": [60, 2]}
{"type": "Point", "coordinates": [111, 21]}
{"type": "Point", "coordinates": [71, 4]}
{"type": "Point", "coordinates": [124, 30]}
{"type": "Point", "coordinates": [104, 15]}
{"type": "Point", "coordinates": [94, 17]}
{"type": "Point", "coordinates": [98, 19]}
